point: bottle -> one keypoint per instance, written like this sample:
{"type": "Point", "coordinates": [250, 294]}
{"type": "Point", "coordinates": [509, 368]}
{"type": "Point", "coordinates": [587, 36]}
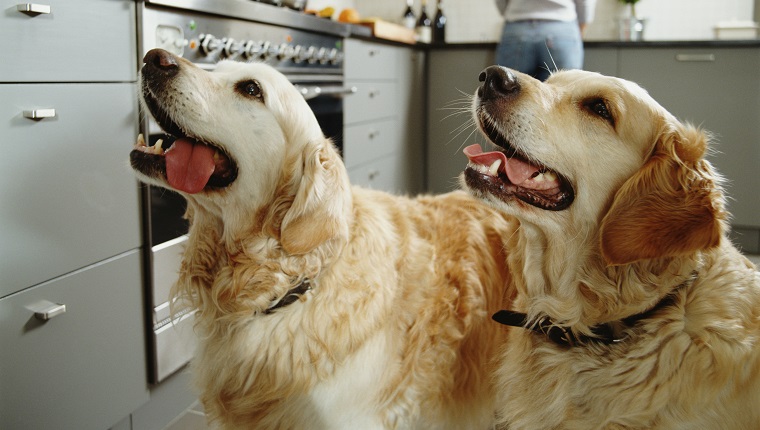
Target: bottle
{"type": "Point", "coordinates": [409, 20]}
{"type": "Point", "coordinates": [439, 25]}
{"type": "Point", "coordinates": [424, 26]}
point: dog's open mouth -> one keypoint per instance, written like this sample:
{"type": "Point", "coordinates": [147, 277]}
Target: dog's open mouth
{"type": "Point", "coordinates": [187, 164]}
{"type": "Point", "coordinates": [508, 174]}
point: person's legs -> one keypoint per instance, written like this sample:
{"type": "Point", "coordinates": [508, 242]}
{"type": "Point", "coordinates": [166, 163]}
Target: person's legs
{"type": "Point", "coordinates": [563, 48]}
{"type": "Point", "coordinates": [515, 50]}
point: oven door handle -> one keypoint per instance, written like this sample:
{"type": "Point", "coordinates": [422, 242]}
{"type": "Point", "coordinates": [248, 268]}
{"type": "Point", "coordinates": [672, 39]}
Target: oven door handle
{"type": "Point", "coordinates": [311, 92]}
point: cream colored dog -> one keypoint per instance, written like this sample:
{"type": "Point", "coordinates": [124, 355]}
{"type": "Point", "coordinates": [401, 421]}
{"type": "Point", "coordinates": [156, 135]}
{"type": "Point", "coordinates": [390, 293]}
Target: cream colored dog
{"type": "Point", "coordinates": [319, 306]}
{"type": "Point", "coordinates": [634, 311]}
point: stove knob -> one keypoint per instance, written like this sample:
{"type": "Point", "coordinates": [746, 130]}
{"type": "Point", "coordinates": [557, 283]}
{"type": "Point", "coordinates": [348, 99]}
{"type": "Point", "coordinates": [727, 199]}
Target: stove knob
{"type": "Point", "coordinates": [264, 50]}
{"type": "Point", "coordinates": [251, 49]}
{"type": "Point", "coordinates": [335, 56]}
{"type": "Point", "coordinates": [311, 54]}
{"type": "Point", "coordinates": [209, 43]}
{"type": "Point", "coordinates": [285, 52]}
{"type": "Point", "coordinates": [321, 55]}
{"type": "Point", "coordinates": [305, 54]}
{"type": "Point", "coordinates": [231, 48]}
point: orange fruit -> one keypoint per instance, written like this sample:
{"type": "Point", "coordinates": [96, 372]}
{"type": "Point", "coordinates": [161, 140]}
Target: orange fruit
{"type": "Point", "coordinates": [349, 15]}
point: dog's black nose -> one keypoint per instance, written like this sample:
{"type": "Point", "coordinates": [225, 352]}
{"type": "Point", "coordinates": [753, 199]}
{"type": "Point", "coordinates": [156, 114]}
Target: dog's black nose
{"type": "Point", "coordinates": [497, 82]}
{"type": "Point", "coordinates": [161, 60]}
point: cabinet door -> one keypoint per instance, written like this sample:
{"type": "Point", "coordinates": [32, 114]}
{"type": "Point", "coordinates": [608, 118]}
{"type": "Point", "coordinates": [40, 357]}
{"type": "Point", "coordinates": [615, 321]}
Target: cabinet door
{"type": "Point", "coordinates": [719, 90]}
{"type": "Point", "coordinates": [369, 141]}
{"type": "Point", "coordinates": [390, 174]}
{"type": "Point", "coordinates": [452, 80]}
{"type": "Point", "coordinates": [601, 60]}
{"type": "Point", "coordinates": [367, 60]}
{"type": "Point", "coordinates": [372, 100]}
{"type": "Point", "coordinates": [68, 41]}
{"type": "Point", "coordinates": [83, 368]}
{"type": "Point", "coordinates": [68, 197]}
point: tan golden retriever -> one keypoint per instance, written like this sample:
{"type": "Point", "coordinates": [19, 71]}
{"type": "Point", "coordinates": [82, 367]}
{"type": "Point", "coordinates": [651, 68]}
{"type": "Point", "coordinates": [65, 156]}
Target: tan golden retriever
{"type": "Point", "coordinates": [633, 311]}
{"type": "Point", "coordinates": [319, 306]}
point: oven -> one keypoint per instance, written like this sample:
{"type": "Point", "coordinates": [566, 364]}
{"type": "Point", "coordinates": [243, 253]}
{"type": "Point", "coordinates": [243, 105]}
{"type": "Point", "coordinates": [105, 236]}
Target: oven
{"type": "Point", "coordinates": [205, 32]}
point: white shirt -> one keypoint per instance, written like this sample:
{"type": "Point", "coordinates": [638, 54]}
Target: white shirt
{"type": "Point", "coordinates": [552, 10]}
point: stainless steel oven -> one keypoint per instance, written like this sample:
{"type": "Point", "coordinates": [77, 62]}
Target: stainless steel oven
{"type": "Point", "coordinates": [205, 32]}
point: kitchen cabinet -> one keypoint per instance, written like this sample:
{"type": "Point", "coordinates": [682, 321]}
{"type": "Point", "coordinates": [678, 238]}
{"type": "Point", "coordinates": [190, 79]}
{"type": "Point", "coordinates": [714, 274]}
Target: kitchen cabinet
{"type": "Point", "coordinates": [72, 338]}
{"type": "Point", "coordinates": [452, 80]}
{"type": "Point", "coordinates": [80, 369]}
{"type": "Point", "coordinates": [383, 121]}
{"type": "Point", "coordinates": [717, 88]}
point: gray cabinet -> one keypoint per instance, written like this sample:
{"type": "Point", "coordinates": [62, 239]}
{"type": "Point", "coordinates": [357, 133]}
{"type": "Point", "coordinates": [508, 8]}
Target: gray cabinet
{"type": "Point", "coordinates": [452, 80]}
{"type": "Point", "coordinates": [68, 41]}
{"type": "Point", "coordinates": [717, 88]}
{"type": "Point", "coordinates": [72, 336]}
{"type": "Point", "coordinates": [383, 133]}
{"type": "Point", "coordinates": [83, 368]}
{"type": "Point", "coordinates": [68, 196]}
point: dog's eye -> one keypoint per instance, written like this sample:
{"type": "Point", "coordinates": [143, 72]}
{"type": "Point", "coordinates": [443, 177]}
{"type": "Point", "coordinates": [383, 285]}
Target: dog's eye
{"type": "Point", "coordinates": [599, 108]}
{"type": "Point", "coordinates": [250, 89]}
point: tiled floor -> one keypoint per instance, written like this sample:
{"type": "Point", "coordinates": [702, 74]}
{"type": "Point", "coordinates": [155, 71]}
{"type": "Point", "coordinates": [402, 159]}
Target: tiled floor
{"type": "Point", "coordinates": [192, 419]}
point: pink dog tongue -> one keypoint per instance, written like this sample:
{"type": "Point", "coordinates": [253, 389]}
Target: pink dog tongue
{"type": "Point", "coordinates": [517, 171]}
{"type": "Point", "coordinates": [189, 165]}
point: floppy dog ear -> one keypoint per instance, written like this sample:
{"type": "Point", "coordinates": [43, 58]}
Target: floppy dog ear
{"type": "Point", "coordinates": [321, 206]}
{"type": "Point", "coordinates": [672, 206]}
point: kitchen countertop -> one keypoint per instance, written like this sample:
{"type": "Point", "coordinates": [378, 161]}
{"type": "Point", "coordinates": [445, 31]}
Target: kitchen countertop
{"type": "Point", "coordinates": [619, 44]}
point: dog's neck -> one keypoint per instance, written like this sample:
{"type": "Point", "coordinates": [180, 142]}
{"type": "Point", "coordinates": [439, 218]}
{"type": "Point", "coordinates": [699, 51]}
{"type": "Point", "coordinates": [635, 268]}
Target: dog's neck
{"type": "Point", "coordinates": [579, 291]}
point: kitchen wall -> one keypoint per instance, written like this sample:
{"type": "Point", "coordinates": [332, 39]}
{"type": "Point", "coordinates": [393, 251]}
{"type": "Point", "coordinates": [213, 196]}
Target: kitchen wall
{"type": "Point", "coordinates": [479, 21]}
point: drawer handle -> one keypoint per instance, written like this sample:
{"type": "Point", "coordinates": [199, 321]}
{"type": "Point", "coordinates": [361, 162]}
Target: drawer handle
{"type": "Point", "coordinates": [374, 93]}
{"type": "Point", "coordinates": [50, 312]}
{"type": "Point", "coordinates": [373, 175]}
{"type": "Point", "coordinates": [38, 114]}
{"type": "Point", "coordinates": [373, 52]}
{"type": "Point", "coordinates": [374, 133]}
{"type": "Point", "coordinates": [33, 9]}
{"type": "Point", "coordinates": [695, 58]}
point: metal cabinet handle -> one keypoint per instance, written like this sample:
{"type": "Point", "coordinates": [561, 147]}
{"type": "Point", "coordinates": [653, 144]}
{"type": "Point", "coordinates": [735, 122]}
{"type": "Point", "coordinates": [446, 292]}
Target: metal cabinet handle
{"type": "Point", "coordinates": [39, 113]}
{"type": "Point", "coordinates": [33, 9]}
{"type": "Point", "coordinates": [50, 312]}
{"type": "Point", "coordinates": [695, 58]}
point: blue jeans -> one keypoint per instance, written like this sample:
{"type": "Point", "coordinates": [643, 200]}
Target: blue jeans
{"type": "Point", "coordinates": [540, 47]}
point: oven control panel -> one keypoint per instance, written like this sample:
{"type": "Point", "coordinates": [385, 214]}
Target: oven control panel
{"type": "Point", "coordinates": [207, 39]}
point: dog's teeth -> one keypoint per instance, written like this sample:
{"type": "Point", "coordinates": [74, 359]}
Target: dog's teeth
{"type": "Point", "coordinates": [550, 176]}
{"type": "Point", "coordinates": [159, 146]}
{"type": "Point", "coordinates": [494, 169]}
{"type": "Point", "coordinates": [141, 140]}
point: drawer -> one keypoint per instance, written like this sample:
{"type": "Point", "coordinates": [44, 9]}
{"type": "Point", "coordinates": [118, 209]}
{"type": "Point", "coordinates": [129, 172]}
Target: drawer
{"type": "Point", "coordinates": [372, 100]}
{"type": "Point", "coordinates": [389, 174]}
{"type": "Point", "coordinates": [365, 142]}
{"type": "Point", "coordinates": [84, 368]}
{"type": "Point", "coordinates": [78, 41]}
{"type": "Point", "coordinates": [68, 196]}
{"type": "Point", "coordinates": [366, 60]}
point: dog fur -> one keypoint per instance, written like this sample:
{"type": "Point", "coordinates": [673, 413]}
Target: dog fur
{"type": "Point", "coordinates": [648, 221]}
{"type": "Point", "coordinates": [395, 332]}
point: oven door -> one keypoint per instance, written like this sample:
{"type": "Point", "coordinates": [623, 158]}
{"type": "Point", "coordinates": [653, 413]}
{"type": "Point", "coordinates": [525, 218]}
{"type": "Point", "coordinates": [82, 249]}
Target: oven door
{"type": "Point", "coordinates": [325, 98]}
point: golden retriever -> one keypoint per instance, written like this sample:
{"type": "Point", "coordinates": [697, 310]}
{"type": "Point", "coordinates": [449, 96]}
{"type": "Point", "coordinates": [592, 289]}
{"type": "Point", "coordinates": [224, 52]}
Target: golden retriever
{"type": "Point", "coordinates": [319, 305]}
{"type": "Point", "coordinates": [633, 309]}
